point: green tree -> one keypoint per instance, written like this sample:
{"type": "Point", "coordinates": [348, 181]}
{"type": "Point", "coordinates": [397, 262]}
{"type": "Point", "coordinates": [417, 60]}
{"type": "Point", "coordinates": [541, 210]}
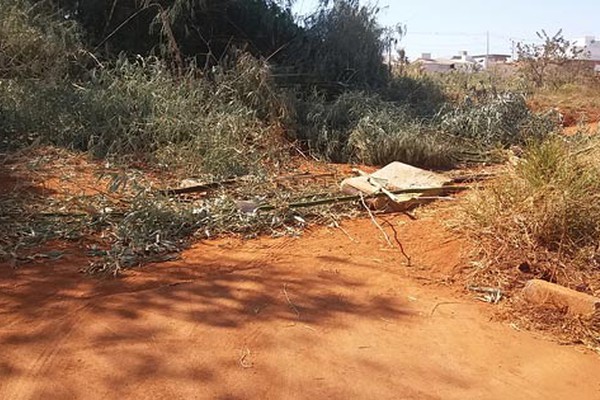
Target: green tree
{"type": "Point", "coordinates": [344, 43]}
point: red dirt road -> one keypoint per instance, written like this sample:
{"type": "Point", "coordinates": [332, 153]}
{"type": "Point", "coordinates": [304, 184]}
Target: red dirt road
{"type": "Point", "coordinates": [319, 317]}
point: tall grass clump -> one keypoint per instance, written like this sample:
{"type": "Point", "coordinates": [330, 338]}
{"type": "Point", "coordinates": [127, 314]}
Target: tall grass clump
{"type": "Point", "coordinates": [540, 219]}
{"type": "Point", "coordinates": [420, 93]}
{"type": "Point", "coordinates": [497, 119]}
{"type": "Point", "coordinates": [364, 128]}
{"type": "Point", "coordinates": [390, 134]}
{"type": "Point", "coordinates": [36, 41]}
{"type": "Point", "coordinates": [139, 110]}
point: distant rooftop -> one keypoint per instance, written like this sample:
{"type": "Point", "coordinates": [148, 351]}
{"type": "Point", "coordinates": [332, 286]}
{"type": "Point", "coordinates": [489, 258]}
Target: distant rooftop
{"type": "Point", "coordinates": [493, 55]}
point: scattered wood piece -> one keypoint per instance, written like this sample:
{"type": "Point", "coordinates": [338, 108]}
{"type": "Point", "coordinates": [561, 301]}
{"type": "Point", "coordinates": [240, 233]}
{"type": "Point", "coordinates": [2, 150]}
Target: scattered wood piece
{"type": "Point", "coordinates": [385, 235]}
{"type": "Point", "coordinates": [490, 295]}
{"type": "Point", "coordinates": [544, 293]}
{"type": "Point", "coordinates": [198, 188]}
{"type": "Point", "coordinates": [346, 199]}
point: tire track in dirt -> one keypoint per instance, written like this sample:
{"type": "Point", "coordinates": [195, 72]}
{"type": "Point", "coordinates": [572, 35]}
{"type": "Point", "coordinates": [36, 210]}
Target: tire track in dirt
{"type": "Point", "coordinates": [217, 324]}
{"type": "Point", "coordinates": [21, 389]}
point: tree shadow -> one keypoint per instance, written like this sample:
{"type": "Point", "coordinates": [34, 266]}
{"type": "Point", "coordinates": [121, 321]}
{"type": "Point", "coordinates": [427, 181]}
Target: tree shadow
{"type": "Point", "coordinates": [139, 329]}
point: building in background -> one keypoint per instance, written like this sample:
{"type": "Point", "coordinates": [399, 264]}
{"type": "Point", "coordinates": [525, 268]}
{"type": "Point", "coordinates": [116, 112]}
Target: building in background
{"type": "Point", "coordinates": [462, 62]}
{"type": "Point", "coordinates": [492, 60]}
{"type": "Point", "coordinates": [590, 48]}
{"type": "Point", "coordinates": [590, 51]}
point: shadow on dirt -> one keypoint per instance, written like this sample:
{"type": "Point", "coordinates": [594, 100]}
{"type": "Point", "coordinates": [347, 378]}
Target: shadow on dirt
{"type": "Point", "coordinates": [140, 329]}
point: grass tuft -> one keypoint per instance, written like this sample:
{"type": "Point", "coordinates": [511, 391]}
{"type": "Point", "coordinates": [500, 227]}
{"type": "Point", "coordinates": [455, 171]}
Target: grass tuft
{"type": "Point", "coordinates": [544, 212]}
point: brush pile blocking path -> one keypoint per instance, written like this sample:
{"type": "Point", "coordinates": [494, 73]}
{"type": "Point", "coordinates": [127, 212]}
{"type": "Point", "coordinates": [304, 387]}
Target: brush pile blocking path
{"type": "Point", "coordinates": [332, 315]}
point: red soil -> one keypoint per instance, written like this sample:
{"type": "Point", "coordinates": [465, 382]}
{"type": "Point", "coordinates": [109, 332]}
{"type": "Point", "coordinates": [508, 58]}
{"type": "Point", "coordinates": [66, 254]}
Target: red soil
{"type": "Point", "coordinates": [330, 315]}
{"type": "Point", "coordinates": [336, 314]}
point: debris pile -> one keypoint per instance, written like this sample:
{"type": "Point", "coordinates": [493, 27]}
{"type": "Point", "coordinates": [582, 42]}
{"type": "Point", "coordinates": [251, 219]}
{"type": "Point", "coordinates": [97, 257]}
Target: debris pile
{"type": "Point", "coordinates": [403, 185]}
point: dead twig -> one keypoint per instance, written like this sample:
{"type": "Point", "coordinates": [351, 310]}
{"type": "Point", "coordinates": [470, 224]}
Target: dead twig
{"type": "Point", "coordinates": [444, 303]}
{"type": "Point", "coordinates": [337, 225]}
{"type": "Point", "coordinates": [398, 241]}
{"type": "Point", "coordinates": [243, 363]}
{"type": "Point", "coordinates": [289, 301]}
{"type": "Point", "coordinates": [385, 235]}
{"type": "Point", "coordinates": [198, 188]}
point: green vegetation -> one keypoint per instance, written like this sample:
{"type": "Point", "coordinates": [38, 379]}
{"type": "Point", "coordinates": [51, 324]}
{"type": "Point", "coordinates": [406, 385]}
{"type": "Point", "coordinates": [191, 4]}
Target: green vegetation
{"type": "Point", "coordinates": [497, 119]}
{"type": "Point", "coordinates": [138, 110]}
{"type": "Point", "coordinates": [219, 119]}
{"type": "Point", "coordinates": [35, 43]}
{"type": "Point", "coordinates": [178, 86]}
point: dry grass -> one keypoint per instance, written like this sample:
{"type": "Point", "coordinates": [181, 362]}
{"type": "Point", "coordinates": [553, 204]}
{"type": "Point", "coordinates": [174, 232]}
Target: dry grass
{"type": "Point", "coordinates": [577, 102]}
{"type": "Point", "coordinates": [119, 219]}
{"type": "Point", "coordinates": [541, 219]}
{"type": "Point", "coordinates": [36, 41]}
{"type": "Point", "coordinates": [544, 212]}
{"type": "Point", "coordinates": [556, 323]}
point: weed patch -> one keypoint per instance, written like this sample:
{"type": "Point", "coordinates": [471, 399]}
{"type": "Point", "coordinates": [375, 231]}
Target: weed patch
{"type": "Point", "coordinates": [543, 213]}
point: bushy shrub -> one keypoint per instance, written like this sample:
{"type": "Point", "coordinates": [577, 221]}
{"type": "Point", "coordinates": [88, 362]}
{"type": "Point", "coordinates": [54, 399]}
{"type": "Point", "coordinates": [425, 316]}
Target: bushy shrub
{"type": "Point", "coordinates": [361, 127]}
{"type": "Point", "coordinates": [139, 110]}
{"type": "Point", "coordinates": [497, 119]}
{"type": "Point", "coordinates": [388, 135]}
{"type": "Point", "coordinates": [421, 94]}
{"type": "Point", "coordinates": [36, 41]}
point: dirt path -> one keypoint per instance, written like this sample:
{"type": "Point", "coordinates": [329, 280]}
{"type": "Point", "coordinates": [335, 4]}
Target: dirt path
{"type": "Point", "coordinates": [331, 315]}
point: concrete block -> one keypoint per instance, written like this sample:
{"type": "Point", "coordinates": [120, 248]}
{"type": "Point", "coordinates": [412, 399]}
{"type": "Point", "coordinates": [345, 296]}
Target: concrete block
{"type": "Point", "coordinates": [394, 176]}
{"type": "Point", "coordinates": [549, 294]}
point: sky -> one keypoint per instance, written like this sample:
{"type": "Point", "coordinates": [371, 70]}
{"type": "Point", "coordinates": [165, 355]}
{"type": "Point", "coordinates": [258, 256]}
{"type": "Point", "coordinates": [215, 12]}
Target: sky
{"type": "Point", "coordinates": [446, 27]}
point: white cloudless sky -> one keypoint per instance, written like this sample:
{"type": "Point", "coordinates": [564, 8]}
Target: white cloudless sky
{"type": "Point", "coordinates": [445, 27]}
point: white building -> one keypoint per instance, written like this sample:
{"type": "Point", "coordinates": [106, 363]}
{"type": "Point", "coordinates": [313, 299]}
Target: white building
{"type": "Point", "coordinates": [590, 47]}
{"type": "Point", "coordinates": [462, 62]}
{"type": "Point", "coordinates": [490, 60]}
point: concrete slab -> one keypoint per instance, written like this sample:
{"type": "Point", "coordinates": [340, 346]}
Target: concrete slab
{"type": "Point", "coordinates": [393, 177]}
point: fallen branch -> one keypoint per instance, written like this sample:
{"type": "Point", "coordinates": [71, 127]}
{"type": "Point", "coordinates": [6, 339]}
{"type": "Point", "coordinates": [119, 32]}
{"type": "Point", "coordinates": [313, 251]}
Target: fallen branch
{"type": "Point", "coordinates": [385, 235]}
{"type": "Point", "coordinates": [472, 178]}
{"type": "Point", "coordinates": [62, 215]}
{"type": "Point", "coordinates": [214, 185]}
{"type": "Point", "coordinates": [306, 175]}
{"type": "Point", "coordinates": [287, 297]}
{"type": "Point", "coordinates": [269, 207]}
{"type": "Point", "coordinates": [347, 199]}
{"type": "Point", "coordinates": [198, 188]}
